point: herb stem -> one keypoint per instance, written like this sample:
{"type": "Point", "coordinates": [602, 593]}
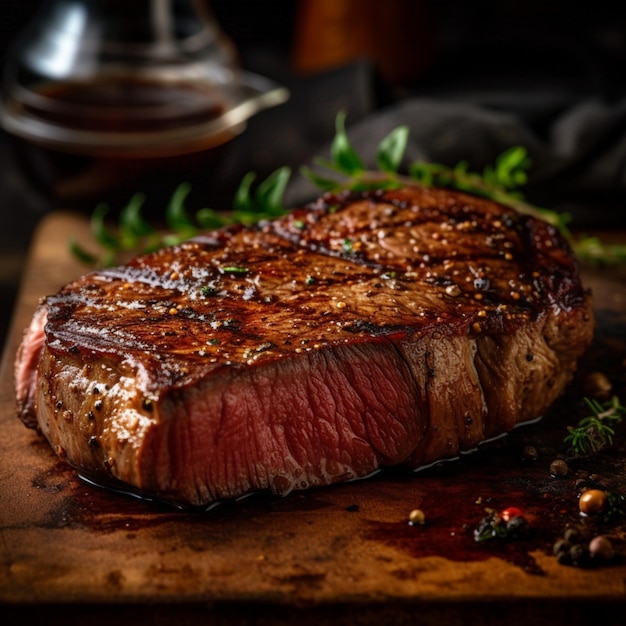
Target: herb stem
{"type": "Point", "coordinates": [344, 170]}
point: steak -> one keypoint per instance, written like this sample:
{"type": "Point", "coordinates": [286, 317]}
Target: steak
{"type": "Point", "coordinates": [363, 331]}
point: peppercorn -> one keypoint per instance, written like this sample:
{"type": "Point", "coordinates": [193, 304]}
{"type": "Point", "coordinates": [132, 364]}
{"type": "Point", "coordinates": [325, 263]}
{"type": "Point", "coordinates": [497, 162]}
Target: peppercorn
{"type": "Point", "coordinates": [572, 549]}
{"type": "Point", "coordinates": [563, 557]}
{"type": "Point", "coordinates": [572, 535]}
{"type": "Point", "coordinates": [509, 513]}
{"type": "Point", "coordinates": [518, 527]}
{"type": "Point", "coordinates": [579, 555]}
{"type": "Point", "coordinates": [561, 546]}
{"type": "Point", "coordinates": [592, 501]}
{"type": "Point", "coordinates": [417, 517]}
{"type": "Point", "coordinates": [559, 467]}
{"type": "Point", "coordinates": [601, 548]}
{"type": "Point", "coordinates": [530, 453]}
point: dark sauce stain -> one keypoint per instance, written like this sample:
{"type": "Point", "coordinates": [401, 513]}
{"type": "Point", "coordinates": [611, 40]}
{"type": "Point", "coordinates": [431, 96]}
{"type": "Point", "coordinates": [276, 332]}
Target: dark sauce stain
{"type": "Point", "coordinates": [305, 581]}
{"type": "Point", "coordinates": [454, 506]}
{"type": "Point", "coordinates": [456, 496]}
{"type": "Point", "coordinates": [455, 545]}
{"type": "Point", "coordinates": [262, 501]}
{"type": "Point", "coordinates": [52, 480]}
{"type": "Point", "coordinates": [115, 580]}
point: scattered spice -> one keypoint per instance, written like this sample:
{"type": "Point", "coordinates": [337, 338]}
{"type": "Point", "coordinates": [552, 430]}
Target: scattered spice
{"type": "Point", "coordinates": [417, 517]}
{"type": "Point", "coordinates": [592, 501]}
{"type": "Point", "coordinates": [559, 468]}
{"type": "Point", "coordinates": [507, 524]}
{"type": "Point", "coordinates": [453, 291]}
{"type": "Point", "coordinates": [530, 453]}
{"type": "Point", "coordinates": [601, 548]}
{"type": "Point", "coordinates": [575, 549]}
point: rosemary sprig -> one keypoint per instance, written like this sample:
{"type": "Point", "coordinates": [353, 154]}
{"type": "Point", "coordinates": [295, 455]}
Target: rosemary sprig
{"type": "Point", "coordinates": [595, 431]}
{"type": "Point", "coordinates": [134, 234]}
{"type": "Point", "coordinates": [344, 170]}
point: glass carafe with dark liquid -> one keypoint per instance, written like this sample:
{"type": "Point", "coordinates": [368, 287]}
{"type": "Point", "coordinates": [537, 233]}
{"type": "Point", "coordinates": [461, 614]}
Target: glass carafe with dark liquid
{"type": "Point", "coordinates": [100, 93]}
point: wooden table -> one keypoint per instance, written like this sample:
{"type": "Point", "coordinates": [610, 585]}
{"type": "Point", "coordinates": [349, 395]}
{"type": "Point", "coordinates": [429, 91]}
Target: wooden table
{"type": "Point", "coordinates": [71, 552]}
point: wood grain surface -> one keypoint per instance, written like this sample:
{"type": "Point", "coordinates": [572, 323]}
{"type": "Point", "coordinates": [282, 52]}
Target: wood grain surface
{"type": "Point", "coordinates": [71, 552]}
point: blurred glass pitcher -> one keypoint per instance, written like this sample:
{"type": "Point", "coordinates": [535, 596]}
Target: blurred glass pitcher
{"type": "Point", "coordinates": [128, 79]}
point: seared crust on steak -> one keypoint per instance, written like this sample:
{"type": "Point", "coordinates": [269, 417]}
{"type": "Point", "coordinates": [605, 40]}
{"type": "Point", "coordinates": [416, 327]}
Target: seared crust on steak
{"type": "Point", "coordinates": [362, 331]}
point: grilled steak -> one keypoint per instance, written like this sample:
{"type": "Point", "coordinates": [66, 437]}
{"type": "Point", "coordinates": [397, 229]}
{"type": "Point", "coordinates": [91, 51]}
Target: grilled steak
{"type": "Point", "coordinates": [365, 330]}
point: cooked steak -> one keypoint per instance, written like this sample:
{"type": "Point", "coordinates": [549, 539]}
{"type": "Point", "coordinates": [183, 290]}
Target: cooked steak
{"type": "Point", "coordinates": [365, 330]}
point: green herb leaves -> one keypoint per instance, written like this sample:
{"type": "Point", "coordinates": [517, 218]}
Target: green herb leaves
{"type": "Point", "coordinates": [497, 182]}
{"type": "Point", "coordinates": [264, 203]}
{"type": "Point", "coordinates": [133, 234]}
{"type": "Point", "coordinates": [345, 159]}
{"type": "Point", "coordinates": [344, 170]}
{"type": "Point", "coordinates": [595, 431]}
{"type": "Point", "coordinates": [391, 150]}
{"type": "Point", "coordinates": [507, 173]}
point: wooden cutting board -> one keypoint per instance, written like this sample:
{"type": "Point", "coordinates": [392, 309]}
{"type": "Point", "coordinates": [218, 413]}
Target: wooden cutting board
{"type": "Point", "coordinates": [72, 552]}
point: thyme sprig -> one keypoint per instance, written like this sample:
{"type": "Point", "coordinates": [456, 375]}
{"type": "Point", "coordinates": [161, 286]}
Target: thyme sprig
{"type": "Point", "coordinates": [596, 430]}
{"type": "Point", "coordinates": [344, 170]}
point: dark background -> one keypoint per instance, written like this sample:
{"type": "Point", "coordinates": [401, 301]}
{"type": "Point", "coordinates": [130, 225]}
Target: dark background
{"type": "Point", "coordinates": [579, 42]}
{"type": "Point", "coordinates": [526, 62]}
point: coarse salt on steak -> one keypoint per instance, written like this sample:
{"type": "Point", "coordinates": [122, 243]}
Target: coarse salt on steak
{"type": "Point", "coordinates": [365, 330]}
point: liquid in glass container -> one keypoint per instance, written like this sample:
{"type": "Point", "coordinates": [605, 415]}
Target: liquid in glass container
{"type": "Point", "coordinates": [100, 93]}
